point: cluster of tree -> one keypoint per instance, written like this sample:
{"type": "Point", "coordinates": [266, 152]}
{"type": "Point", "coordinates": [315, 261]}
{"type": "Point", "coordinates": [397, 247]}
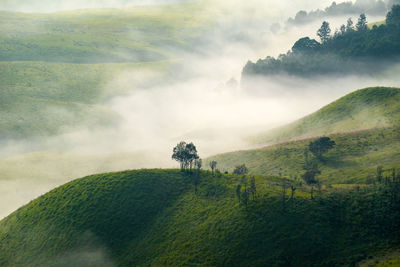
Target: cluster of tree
{"type": "Point", "coordinates": [352, 48]}
{"type": "Point", "coordinates": [244, 195]}
{"type": "Point", "coordinates": [387, 176]}
{"type": "Point", "coordinates": [188, 158]}
{"type": "Point", "coordinates": [372, 7]}
{"type": "Point", "coordinates": [186, 155]}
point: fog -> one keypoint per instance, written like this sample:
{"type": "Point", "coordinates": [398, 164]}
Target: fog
{"type": "Point", "coordinates": [204, 103]}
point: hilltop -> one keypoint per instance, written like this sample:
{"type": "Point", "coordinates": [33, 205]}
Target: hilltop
{"type": "Point", "coordinates": [368, 108]}
{"type": "Point", "coordinates": [155, 217]}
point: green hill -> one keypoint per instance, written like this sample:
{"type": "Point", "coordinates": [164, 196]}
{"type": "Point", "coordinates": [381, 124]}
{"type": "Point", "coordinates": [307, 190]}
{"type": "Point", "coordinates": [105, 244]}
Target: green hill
{"type": "Point", "coordinates": [56, 69]}
{"type": "Point", "coordinates": [368, 108]}
{"type": "Point", "coordinates": [155, 218]}
{"type": "Point", "coordinates": [364, 125]}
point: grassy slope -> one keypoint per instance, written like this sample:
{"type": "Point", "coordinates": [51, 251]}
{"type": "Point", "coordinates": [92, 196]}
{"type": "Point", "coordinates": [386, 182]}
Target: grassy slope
{"type": "Point", "coordinates": [154, 218]}
{"type": "Point", "coordinates": [357, 153]}
{"type": "Point", "coordinates": [41, 98]}
{"type": "Point", "coordinates": [55, 68]}
{"type": "Point", "coordinates": [363, 109]}
{"type": "Point", "coordinates": [94, 36]}
{"type": "Point", "coordinates": [353, 160]}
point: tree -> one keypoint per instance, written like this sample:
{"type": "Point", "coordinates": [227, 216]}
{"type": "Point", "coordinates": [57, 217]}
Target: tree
{"type": "Point", "coordinates": [393, 16]}
{"type": "Point", "coordinates": [350, 25]}
{"type": "Point", "coordinates": [306, 45]}
{"type": "Point", "coordinates": [196, 178]}
{"type": "Point", "coordinates": [185, 154]}
{"type": "Point", "coordinates": [342, 29]}
{"type": "Point", "coordinates": [191, 154]}
{"type": "Point", "coordinates": [240, 170]}
{"type": "Point", "coordinates": [253, 188]}
{"type": "Point", "coordinates": [362, 23]}
{"type": "Point", "coordinates": [179, 154]}
{"type": "Point", "coordinates": [311, 169]}
{"type": "Point", "coordinates": [321, 146]}
{"type": "Point", "coordinates": [213, 166]}
{"type": "Point", "coordinates": [324, 32]}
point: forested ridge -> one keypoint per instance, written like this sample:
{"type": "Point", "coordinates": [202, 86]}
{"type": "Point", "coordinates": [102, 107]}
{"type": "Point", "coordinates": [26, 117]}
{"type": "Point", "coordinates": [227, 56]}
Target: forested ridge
{"type": "Point", "coordinates": [354, 48]}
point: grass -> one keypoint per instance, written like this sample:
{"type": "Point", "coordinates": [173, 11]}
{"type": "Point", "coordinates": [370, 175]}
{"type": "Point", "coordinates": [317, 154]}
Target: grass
{"type": "Point", "coordinates": [363, 109]}
{"type": "Point", "coordinates": [154, 217]}
{"type": "Point", "coordinates": [55, 69]}
{"type": "Point", "coordinates": [353, 160]}
{"type": "Point", "coordinates": [364, 125]}
{"type": "Point", "coordinates": [137, 34]}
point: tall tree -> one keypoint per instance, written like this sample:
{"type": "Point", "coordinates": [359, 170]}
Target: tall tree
{"type": "Point", "coordinates": [393, 16]}
{"type": "Point", "coordinates": [320, 146]}
{"type": "Point", "coordinates": [350, 25]}
{"type": "Point", "coordinates": [191, 154]}
{"type": "Point", "coordinates": [213, 166]}
{"type": "Point", "coordinates": [362, 23]}
{"type": "Point", "coordinates": [324, 33]}
{"type": "Point", "coordinates": [179, 154]}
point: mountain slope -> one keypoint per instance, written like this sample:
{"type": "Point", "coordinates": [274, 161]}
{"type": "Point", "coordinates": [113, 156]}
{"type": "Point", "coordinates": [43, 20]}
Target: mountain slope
{"type": "Point", "coordinates": [154, 218]}
{"type": "Point", "coordinates": [56, 69]}
{"type": "Point", "coordinates": [363, 109]}
{"type": "Point", "coordinates": [364, 125]}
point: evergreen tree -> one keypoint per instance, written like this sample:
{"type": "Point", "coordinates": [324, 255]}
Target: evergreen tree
{"type": "Point", "coordinates": [362, 23]}
{"type": "Point", "coordinates": [393, 17]}
{"type": "Point", "coordinates": [324, 33]}
{"type": "Point", "coordinates": [350, 25]}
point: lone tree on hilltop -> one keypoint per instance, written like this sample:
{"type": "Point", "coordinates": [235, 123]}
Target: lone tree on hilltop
{"type": "Point", "coordinates": [185, 154]}
{"type": "Point", "coordinates": [320, 146]}
{"type": "Point", "coordinates": [213, 166]}
{"type": "Point", "coordinates": [324, 33]}
{"type": "Point", "coordinates": [241, 170]}
{"type": "Point", "coordinates": [362, 23]}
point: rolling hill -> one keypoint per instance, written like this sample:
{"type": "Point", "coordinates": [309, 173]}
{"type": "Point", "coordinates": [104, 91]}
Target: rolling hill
{"type": "Point", "coordinates": [56, 68]}
{"type": "Point", "coordinates": [364, 125]}
{"type": "Point", "coordinates": [155, 218]}
{"type": "Point", "coordinates": [369, 108]}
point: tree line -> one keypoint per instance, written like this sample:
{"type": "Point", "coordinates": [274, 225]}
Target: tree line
{"type": "Point", "coordinates": [354, 47]}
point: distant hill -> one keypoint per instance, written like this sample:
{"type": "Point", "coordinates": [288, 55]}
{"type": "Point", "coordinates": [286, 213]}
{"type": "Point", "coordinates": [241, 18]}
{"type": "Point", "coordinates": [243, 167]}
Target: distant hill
{"type": "Point", "coordinates": [55, 68]}
{"type": "Point", "coordinates": [364, 124]}
{"type": "Point", "coordinates": [155, 218]}
{"type": "Point", "coordinates": [363, 109]}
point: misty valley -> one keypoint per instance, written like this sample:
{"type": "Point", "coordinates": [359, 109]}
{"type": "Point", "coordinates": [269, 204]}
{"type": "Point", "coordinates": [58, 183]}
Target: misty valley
{"type": "Point", "coordinates": [199, 133]}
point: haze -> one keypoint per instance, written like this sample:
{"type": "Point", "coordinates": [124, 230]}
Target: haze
{"type": "Point", "coordinates": [204, 103]}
